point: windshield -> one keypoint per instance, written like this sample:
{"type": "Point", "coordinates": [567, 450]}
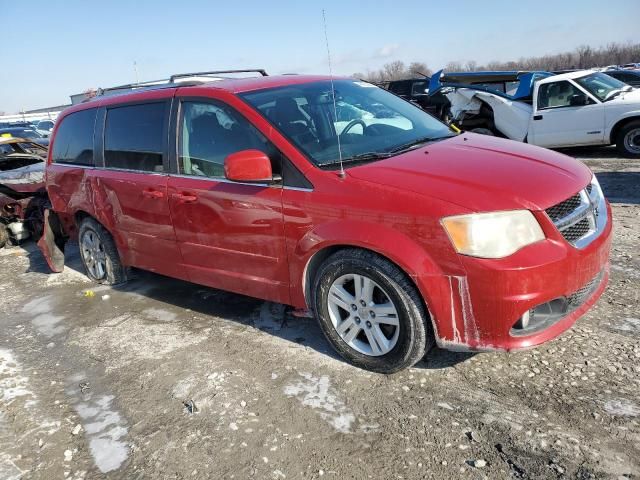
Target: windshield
{"type": "Point", "coordinates": [601, 85]}
{"type": "Point", "coordinates": [371, 123]}
{"type": "Point", "coordinates": [21, 132]}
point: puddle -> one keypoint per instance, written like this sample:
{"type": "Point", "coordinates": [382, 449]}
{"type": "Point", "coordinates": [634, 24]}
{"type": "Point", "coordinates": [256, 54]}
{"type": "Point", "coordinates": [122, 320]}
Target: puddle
{"type": "Point", "coordinates": [317, 393]}
{"type": "Point", "coordinates": [43, 320]}
{"type": "Point", "coordinates": [160, 314]}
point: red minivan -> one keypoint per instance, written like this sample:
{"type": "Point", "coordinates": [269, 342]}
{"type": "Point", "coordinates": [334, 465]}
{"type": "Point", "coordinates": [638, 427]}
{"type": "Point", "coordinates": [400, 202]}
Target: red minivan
{"type": "Point", "coordinates": [338, 198]}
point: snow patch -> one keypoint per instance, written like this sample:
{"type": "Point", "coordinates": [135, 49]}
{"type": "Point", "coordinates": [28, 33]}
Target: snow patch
{"type": "Point", "coordinates": [105, 430]}
{"type": "Point", "coordinates": [317, 393]}
{"type": "Point", "coordinates": [622, 408]}
{"type": "Point", "coordinates": [12, 383]}
{"type": "Point", "coordinates": [628, 324]}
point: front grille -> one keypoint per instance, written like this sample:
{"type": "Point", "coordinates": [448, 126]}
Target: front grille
{"type": "Point", "coordinates": [562, 209]}
{"type": "Point", "coordinates": [581, 217]}
{"type": "Point", "coordinates": [576, 231]}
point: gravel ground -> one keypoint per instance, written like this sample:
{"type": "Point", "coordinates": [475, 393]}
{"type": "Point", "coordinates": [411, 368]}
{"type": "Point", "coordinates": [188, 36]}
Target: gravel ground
{"type": "Point", "coordinates": [165, 379]}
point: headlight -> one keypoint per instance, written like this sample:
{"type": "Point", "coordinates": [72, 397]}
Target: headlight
{"type": "Point", "coordinates": [492, 235]}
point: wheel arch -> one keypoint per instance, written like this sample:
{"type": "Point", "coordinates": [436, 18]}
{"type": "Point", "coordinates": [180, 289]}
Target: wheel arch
{"type": "Point", "coordinates": [392, 245]}
{"type": "Point", "coordinates": [620, 124]}
{"type": "Point", "coordinates": [319, 257]}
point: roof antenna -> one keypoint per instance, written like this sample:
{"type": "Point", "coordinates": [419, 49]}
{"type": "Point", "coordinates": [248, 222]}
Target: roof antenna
{"type": "Point", "coordinates": [342, 173]}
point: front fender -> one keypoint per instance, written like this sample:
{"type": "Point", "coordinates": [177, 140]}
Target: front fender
{"type": "Point", "coordinates": [430, 276]}
{"type": "Point", "coordinates": [616, 120]}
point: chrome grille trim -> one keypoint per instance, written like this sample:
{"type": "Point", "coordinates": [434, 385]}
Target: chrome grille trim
{"type": "Point", "coordinates": [582, 217]}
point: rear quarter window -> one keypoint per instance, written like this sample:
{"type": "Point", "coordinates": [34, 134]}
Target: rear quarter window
{"type": "Point", "coordinates": [133, 137]}
{"type": "Point", "coordinates": [73, 143]}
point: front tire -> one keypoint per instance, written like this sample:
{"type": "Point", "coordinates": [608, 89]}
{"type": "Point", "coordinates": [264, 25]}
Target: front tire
{"type": "Point", "coordinates": [99, 254]}
{"type": "Point", "coordinates": [628, 140]}
{"type": "Point", "coordinates": [370, 312]}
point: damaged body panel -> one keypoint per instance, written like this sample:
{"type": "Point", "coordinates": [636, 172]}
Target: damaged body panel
{"type": "Point", "coordinates": [573, 109]}
{"type": "Point", "coordinates": [22, 191]}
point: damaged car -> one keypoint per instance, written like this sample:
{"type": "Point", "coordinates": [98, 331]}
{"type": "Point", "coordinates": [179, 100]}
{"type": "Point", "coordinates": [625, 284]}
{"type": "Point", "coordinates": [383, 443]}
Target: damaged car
{"type": "Point", "coordinates": [337, 198]}
{"type": "Point", "coordinates": [579, 108]}
{"type": "Point", "coordinates": [22, 190]}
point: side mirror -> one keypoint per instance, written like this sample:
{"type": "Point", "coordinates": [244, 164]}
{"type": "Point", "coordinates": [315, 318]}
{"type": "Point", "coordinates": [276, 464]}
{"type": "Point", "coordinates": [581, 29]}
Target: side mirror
{"type": "Point", "coordinates": [248, 166]}
{"type": "Point", "coordinates": [578, 100]}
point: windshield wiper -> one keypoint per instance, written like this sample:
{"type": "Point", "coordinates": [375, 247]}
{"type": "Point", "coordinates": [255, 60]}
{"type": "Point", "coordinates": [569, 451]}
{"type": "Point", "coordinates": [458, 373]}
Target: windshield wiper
{"type": "Point", "coordinates": [361, 157]}
{"type": "Point", "coordinates": [417, 142]}
{"type": "Point", "coordinates": [613, 94]}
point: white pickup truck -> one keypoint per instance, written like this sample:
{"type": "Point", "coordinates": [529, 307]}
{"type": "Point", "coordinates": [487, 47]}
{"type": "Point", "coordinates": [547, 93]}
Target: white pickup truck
{"type": "Point", "coordinates": [572, 109]}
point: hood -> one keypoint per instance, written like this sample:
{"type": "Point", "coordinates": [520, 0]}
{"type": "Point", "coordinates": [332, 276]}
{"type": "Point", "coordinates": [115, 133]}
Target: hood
{"type": "Point", "coordinates": [28, 179]}
{"type": "Point", "coordinates": [482, 173]}
{"type": "Point", "coordinates": [630, 97]}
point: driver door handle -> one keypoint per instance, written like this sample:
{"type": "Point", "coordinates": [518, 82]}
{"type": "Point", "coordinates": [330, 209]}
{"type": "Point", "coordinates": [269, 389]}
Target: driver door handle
{"type": "Point", "coordinates": [537, 117]}
{"type": "Point", "coordinates": [151, 193]}
{"type": "Point", "coordinates": [185, 197]}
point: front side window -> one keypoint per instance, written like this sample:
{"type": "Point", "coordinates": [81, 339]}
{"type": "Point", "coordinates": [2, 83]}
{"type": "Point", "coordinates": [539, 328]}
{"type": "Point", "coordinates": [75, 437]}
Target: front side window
{"type": "Point", "coordinates": [601, 85]}
{"type": "Point", "coordinates": [368, 122]}
{"type": "Point", "coordinates": [212, 131]}
{"type": "Point", "coordinates": [73, 143]}
{"type": "Point", "coordinates": [45, 125]}
{"type": "Point", "coordinates": [134, 137]}
{"type": "Point", "coordinates": [558, 94]}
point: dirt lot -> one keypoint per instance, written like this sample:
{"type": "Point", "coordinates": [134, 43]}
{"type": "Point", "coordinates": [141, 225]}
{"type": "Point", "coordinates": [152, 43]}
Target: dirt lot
{"type": "Point", "coordinates": [165, 379]}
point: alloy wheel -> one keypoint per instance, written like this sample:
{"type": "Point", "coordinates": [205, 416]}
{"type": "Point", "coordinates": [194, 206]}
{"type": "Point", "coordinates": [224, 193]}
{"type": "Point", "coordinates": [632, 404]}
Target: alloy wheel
{"type": "Point", "coordinates": [94, 255]}
{"type": "Point", "coordinates": [363, 314]}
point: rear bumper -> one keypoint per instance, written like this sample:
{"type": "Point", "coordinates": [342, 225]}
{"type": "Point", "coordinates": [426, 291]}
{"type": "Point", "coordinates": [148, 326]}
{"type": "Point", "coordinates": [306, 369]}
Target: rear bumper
{"type": "Point", "coordinates": [485, 304]}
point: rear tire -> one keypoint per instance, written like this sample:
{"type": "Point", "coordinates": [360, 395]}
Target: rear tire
{"type": "Point", "coordinates": [99, 254]}
{"type": "Point", "coordinates": [389, 329]}
{"type": "Point", "coordinates": [628, 140]}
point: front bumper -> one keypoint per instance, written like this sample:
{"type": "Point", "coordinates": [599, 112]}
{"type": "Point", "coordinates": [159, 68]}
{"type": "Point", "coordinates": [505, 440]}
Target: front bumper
{"type": "Point", "coordinates": [484, 305]}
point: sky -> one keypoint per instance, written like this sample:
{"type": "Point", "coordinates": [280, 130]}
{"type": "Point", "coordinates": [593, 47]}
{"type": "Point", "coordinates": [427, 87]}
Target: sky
{"type": "Point", "coordinates": [55, 49]}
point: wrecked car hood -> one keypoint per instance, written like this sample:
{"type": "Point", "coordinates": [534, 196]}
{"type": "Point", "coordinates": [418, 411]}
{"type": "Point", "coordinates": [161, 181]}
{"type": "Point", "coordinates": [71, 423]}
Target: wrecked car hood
{"type": "Point", "coordinates": [26, 179]}
{"type": "Point", "coordinates": [511, 117]}
{"type": "Point", "coordinates": [482, 173]}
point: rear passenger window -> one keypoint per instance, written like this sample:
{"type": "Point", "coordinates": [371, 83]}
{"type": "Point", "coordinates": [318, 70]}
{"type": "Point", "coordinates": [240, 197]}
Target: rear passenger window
{"type": "Point", "coordinates": [73, 143]}
{"type": "Point", "coordinates": [133, 137]}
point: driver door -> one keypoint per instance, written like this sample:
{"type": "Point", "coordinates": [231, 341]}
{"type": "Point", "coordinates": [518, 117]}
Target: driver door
{"type": "Point", "coordinates": [230, 234]}
{"type": "Point", "coordinates": [558, 123]}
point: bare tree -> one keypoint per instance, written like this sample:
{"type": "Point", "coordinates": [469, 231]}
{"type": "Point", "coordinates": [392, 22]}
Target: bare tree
{"type": "Point", "coordinates": [418, 69]}
{"type": "Point", "coordinates": [583, 56]}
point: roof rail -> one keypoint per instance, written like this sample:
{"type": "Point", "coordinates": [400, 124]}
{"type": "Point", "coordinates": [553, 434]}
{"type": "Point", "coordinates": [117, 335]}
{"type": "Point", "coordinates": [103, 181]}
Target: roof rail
{"type": "Point", "coordinates": [172, 78]}
{"type": "Point", "coordinates": [171, 81]}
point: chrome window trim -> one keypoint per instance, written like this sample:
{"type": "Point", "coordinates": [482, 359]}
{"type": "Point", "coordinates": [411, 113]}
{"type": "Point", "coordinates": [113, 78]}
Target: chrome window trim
{"type": "Point", "coordinates": [222, 180]}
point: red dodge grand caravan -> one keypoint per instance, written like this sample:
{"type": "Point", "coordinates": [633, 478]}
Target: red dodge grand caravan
{"type": "Point", "coordinates": [338, 198]}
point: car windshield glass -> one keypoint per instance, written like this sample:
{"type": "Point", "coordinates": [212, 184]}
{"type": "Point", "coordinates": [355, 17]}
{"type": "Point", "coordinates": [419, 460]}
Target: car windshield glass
{"type": "Point", "coordinates": [601, 85]}
{"type": "Point", "coordinates": [369, 122]}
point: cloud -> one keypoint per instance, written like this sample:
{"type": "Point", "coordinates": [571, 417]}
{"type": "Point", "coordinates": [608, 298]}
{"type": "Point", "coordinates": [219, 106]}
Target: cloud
{"type": "Point", "coordinates": [387, 50]}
